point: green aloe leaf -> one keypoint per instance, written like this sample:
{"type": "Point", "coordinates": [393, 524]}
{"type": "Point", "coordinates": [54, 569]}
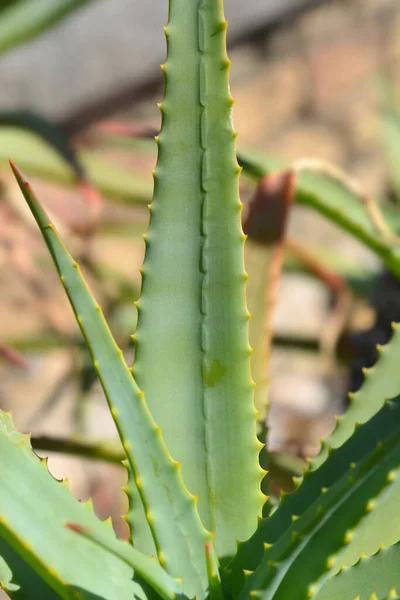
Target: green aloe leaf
{"type": "Point", "coordinates": [382, 528]}
{"type": "Point", "coordinates": [378, 574]}
{"type": "Point", "coordinates": [6, 577]}
{"type": "Point", "coordinates": [26, 576]}
{"type": "Point", "coordinates": [38, 158]}
{"type": "Point", "coordinates": [331, 197]}
{"type": "Point", "coordinates": [307, 550]}
{"type": "Point", "coordinates": [192, 352]}
{"type": "Point", "coordinates": [34, 508]}
{"type": "Point", "coordinates": [22, 21]}
{"type": "Point", "coordinates": [147, 568]}
{"type": "Point", "coordinates": [48, 131]}
{"type": "Point", "coordinates": [380, 382]}
{"type": "Point", "coordinates": [170, 511]}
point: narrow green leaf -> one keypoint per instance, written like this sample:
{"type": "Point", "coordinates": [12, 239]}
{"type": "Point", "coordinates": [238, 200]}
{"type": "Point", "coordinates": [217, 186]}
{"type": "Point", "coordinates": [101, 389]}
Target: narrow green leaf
{"type": "Point", "coordinates": [144, 566]}
{"type": "Point", "coordinates": [140, 532]}
{"type": "Point", "coordinates": [25, 19]}
{"type": "Point", "coordinates": [381, 381]}
{"type": "Point", "coordinates": [48, 131]}
{"type": "Point", "coordinates": [306, 551]}
{"type": "Point", "coordinates": [34, 508]}
{"type": "Point", "coordinates": [378, 574]}
{"type": "Point", "coordinates": [192, 353]}
{"type": "Point", "coordinates": [381, 528]}
{"type": "Point", "coordinates": [6, 577]}
{"type": "Point", "coordinates": [215, 591]}
{"type": "Point", "coordinates": [26, 576]}
{"type": "Point", "coordinates": [170, 510]}
{"type": "Point", "coordinates": [330, 197]}
{"type": "Point", "coordinates": [38, 158]}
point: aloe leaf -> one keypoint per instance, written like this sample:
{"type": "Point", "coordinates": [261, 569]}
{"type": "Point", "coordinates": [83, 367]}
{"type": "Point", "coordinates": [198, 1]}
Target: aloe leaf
{"type": "Point", "coordinates": [140, 532]}
{"type": "Point", "coordinates": [382, 528]}
{"type": "Point", "coordinates": [38, 158]}
{"type": "Point", "coordinates": [24, 20]}
{"type": "Point", "coordinates": [170, 511]}
{"type": "Point", "coordinates": [33, 510]}
{"type": "Point", "coordinates": [144, 566]}
{"type": "Point", "coordinates": [265, 226]}
{"type": "Point", "coordinates": [48, 131]}
{"type": "Point", "coordinates": [381, 381]}
{"type": "Point", "coordinates": [192, 353]}
{"type": "Point", "coordinates": [215, 590]}
{"type": "Point", "coordinates": [332, 198]}
{"type": "Point", "coordinates": [378, 574]}
{"type": "Point", "coordinates": [305, 553]}
{"type": "Point", "coordinates": [26, 576]}
{"type": "Point", "coordinates": [6, 577]}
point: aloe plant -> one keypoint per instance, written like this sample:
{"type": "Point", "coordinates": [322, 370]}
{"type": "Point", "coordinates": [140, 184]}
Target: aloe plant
{"type": "Point", "coordinates": [185, 411]}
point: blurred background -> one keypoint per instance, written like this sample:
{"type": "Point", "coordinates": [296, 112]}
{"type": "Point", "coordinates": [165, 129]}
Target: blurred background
{"type": "Point", "coordinates": [312, 80]}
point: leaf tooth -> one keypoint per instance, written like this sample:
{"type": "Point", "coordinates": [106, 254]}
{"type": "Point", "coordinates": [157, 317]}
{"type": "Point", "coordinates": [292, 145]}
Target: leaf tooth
{"type": "Point", "coordinates": [311, 590]}
{"type": "Point", "coordinates": [351, 396]}
{"type": "Point", "coordinates": [297, 480]}
{"type": "Point", "coordinates": [247, 573]}
{"type": "Point", "coordinates": [89, 502]}
{"type": "Point", "coordinates": [161, 558]}
{"type": "Point", "coordinates": [44, 461]}
{"type": "Point", "coordinates": [331, 561]}
{"type": "Point", "coordinates": [295, 518]}
{"type": "Point", "coordinates": [260, 445]}
{"type": "Point", "coordinates": [267, 546]}
{"type": "Point", "coordinates": [349, 535]}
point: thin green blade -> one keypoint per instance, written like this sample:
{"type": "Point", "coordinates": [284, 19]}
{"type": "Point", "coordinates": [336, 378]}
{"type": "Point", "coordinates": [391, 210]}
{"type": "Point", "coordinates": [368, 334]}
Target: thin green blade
{"type": "Point", "coordinates": [378, 574]}
{"type": "Point", "coordinates": [37, 157]}
{"type": "Point", "coordinates": [24, 20]}
{"type": "Point", "coordinates": [381, 381]}
{"type": "Point", "coordinates": [170, 510]}
{"type": "Point", "coordinates": [306, 551]}
{"type": "Point", "coordinates": [336, 200]}
{"type": "Point", "coordinates": [144, 566]}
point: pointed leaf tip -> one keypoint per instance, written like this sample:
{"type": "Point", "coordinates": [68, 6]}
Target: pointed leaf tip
{"type": "Point", "coordinates": [18, 173]}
